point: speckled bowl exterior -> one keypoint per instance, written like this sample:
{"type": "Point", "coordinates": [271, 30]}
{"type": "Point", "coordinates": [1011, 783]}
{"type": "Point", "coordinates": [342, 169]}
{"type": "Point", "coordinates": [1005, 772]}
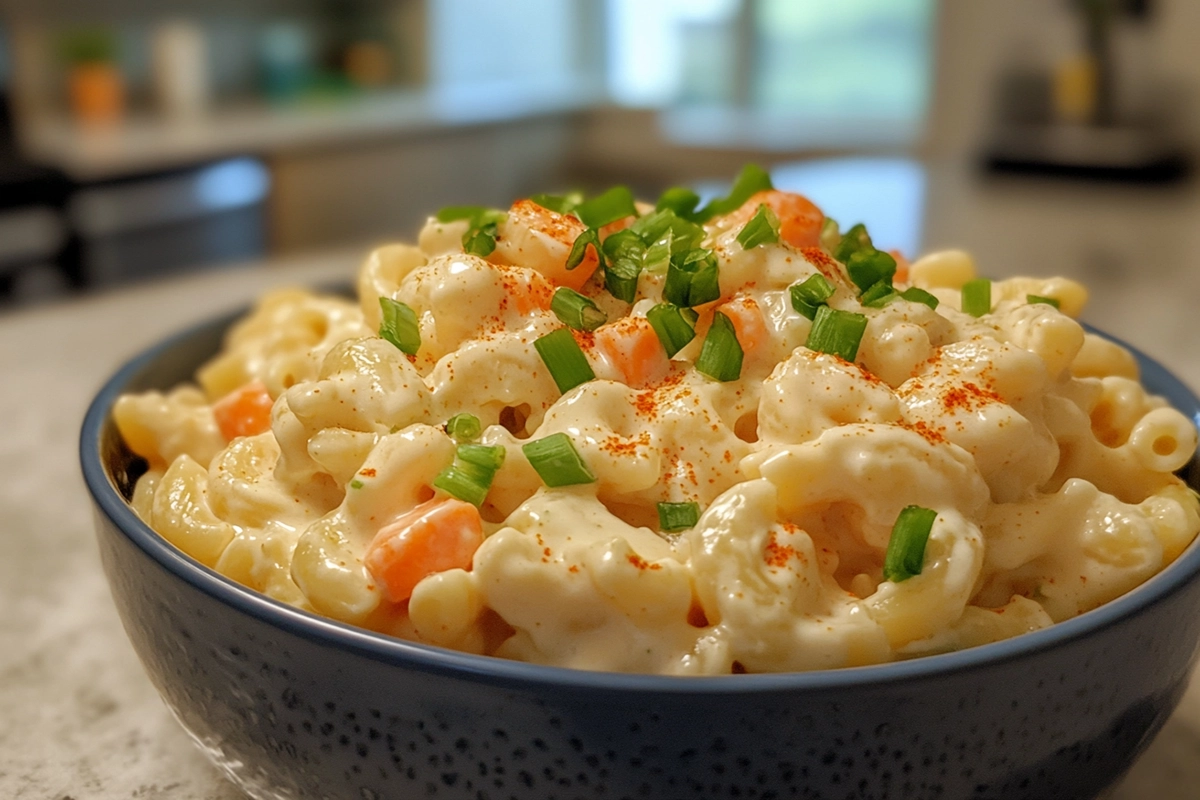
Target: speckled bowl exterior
{"type": "Point", "coordinates": [291, 705]}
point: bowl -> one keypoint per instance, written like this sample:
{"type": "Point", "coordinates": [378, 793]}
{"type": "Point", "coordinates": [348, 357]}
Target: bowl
{"type": "Point", "coordinates": [290, 704]}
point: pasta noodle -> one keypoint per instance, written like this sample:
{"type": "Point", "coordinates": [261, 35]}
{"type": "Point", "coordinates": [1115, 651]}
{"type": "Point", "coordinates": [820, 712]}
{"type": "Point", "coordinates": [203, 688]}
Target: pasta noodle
{"type": "Point", "coordinates": [610, 436]}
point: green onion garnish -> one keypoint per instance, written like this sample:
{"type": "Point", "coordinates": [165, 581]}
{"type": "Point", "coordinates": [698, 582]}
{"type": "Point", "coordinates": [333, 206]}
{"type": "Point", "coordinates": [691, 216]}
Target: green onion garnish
{"type": "Point", "coordinates": [836, 332]}
{"type": "Point", "coordinates": [917, 295]}
{"type": "Point", "coordinates": [615, 204]}
{"type": "Point", "coordinates": [906, 548]}
{"type": "Point", "coordinates": [763, 228]}
{"type": "Point", "coordinates": [879, 295]}
{"type": "Point", "coordinates": [811, 293]}
{"type": "Point", "coordinates": [482, 225]}
{"type": "Point", "coordinates": [557, 461]}
{"type": "Point", "coordinates": [399, 325]}
{"type": "Point", "coordinates": [750, 181]}
{"type": "Point", "coordinates": [471, 474]}
{"type": "Point", "coordinates": [590, 237]}
{"type": "Point", "coordinates": [567, 364]}
{"type": "Point", "coordinates": [1037, 298]}
{"type": "Point", "coordinates": [852, 241]}
{"type": "Point", "coordinates": [679, 200]}
{"type": "Point", "coordinates": [480, 241]}
{"type": "Point", "coordinates": [830, 235]}
{"type": "Point", "coordinates": [356, 484]}
{"type": "Point", "coordinates": [869, 266]}
{"type": "Point", "coordinates": [656, 227]}
{"type": "Point", "coordinates": [673, 328]}
{"type": "Point", "coordinates": [576, 311]}
{"type": "Point", "coordinates": [464, 427]}
{"type": "Point", "coordinates": [721, 355]}
{"type": "Point", "coordinates": [560, 204]}
{"type": "Point", "coordinates": [692, 278]}
{"type": "Point", "coordinates": [455, 213]}
{"type": "Point", "coordinates": [977, 297]}
{"type": "Point", "coordinates": [621, 279]}
{"type": "Point", "coordinates": [678, 516]}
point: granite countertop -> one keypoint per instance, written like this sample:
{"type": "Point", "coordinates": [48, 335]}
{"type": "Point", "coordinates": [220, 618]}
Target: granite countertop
{"type": "Point", "coordinates": [79, 719]}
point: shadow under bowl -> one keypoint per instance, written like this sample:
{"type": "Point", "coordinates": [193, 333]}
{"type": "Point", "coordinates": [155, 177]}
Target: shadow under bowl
{"type": "Point", "coordinates": [289, 704]}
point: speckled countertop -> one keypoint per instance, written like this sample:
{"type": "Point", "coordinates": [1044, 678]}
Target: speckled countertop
{"type": "Point", "coordinates": [78, 718]}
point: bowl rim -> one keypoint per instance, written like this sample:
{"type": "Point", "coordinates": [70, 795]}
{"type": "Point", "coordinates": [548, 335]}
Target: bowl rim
{"type": "Point", "coordinates": [433, 659]}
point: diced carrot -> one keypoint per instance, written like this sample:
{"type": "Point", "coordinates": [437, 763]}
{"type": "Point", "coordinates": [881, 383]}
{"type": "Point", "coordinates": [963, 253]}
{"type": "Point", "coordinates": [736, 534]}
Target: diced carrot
{"type": "Point", "coordinates": [800, 220]}
{"type": "Point", "coordinates": [246, 411]}
{"type": "Point", "coordinates": [901, 275]}
{"type": "Point", "coordinates": [440, 534]}
{"type": "Point", "coordinates": [748, 322]}
{"type": "Point", "coordinates": [633, 347]}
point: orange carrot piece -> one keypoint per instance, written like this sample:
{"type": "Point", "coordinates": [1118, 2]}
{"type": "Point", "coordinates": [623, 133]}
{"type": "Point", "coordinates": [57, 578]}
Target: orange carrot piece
{"type": "Point", "coordinates": [440, 534]}
{"type": "Point", "coordinates": [901, 275]}
{"type": "Point", "coordinates": [246, 411]}
{"type": "Point", "coordinates": [633, 347]}
{"type": "Point", "coordinates": [800, 220]}
{"type": "Point", "coordinates": [748, 323]}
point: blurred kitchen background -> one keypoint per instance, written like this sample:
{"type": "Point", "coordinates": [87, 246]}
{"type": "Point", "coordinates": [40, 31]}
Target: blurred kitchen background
{"type": "Point", "coordinates": [140, 139]}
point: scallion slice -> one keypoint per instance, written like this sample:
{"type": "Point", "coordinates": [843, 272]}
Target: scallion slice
{"type": "Point", "coordinates": [471, 474]}
{"type": "Point", "coordinates": [692, 278]}
{"type": "Point", "coordinates": [576, 311]}
{"type": "Point", "coordinates": [721, 355]}
{"type": "Point", "coordinates": [559, 203]}
{"type": "Point", "coordinates": [464, 427]}
{"type": "Point", "coordinates": [568, 365]}
{"type": "Point", "coordinates": [589, 238]}
{"type": "Point", "coordinates": [679, 200]}
{"type": "Point", "coordinates": [399, 325]}
{"type": "Point", "coordinates": [455, 213]}
{"type": "Point", "coordinates": [480, 241]}
{"type": "Point", "coordinates": [484, 456]}
{"type": "Point", "coordinates": [656, 227]}
{"type": "Point", "coordinates": [977, 297]}
{"type": "Point", "coordinates": [1037, 298]}
{"type": "Point", "coordinates": [836, 332]}
{"type": "Point", "coordinates": [869, 266]}
{"type": "Point", "coordinates": [615, 204]}
{"type": "Point", "coordinates": [852, 241]}
{"type": "Point", "coordinates": [763, 228]}
{"type": "Point", "coordinates": [878, 295]}
{"type": "Point", "coordinates": [830, 234]}
{"type": "Point", "coordinates": [673, 328]}
{"type": "Point", "coordinates": [621, 279]}
{"type": "Point", "coordinates": [750, 181]}
{"type": "Point", "coordinates": [556, 460]}
{"type": "Point", "coordinates": [918, 295]}
{"type": "Point", "coordinates": [678, 516]}
{"type": "Point", "coordinates": [811, 293]}
{"type": "Point", "coordinates": [905, 555]}
{"type": "Point", "coordinates": [482, 226]}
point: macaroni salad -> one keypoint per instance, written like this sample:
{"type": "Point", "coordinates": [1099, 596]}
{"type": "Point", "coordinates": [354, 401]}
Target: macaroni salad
{"type": "Point", "coordinates": [674, 439]}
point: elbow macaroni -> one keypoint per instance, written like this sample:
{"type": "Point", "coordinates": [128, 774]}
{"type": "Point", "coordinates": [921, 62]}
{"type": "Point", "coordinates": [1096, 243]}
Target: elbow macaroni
{"type": "Point", "coordinates": [1049, 467]}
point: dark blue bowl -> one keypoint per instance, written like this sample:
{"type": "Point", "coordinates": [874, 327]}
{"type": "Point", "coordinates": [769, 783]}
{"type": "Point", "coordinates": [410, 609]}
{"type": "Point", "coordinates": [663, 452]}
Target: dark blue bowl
{"type": "Point", "coordinates": [294, 705]}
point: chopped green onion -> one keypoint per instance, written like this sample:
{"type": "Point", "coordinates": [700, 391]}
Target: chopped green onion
{"type": "Point", "coordinates": [621, 279]}
{"type": "Point", "coordinates": [464, 427]}
{"type": "Point", "coordinates": [879, 295]}
{"type": "Point", "coordinates": [678, 516]}
{"type": "Point", "coordinates": [455, 213]}
{"type": "Point", "coordinates": [836, 332]}
{"type": "Point", "coordinates": [656, 227]}
{"type": "Point", "coordinates": [692, 278]}
{"type": "Point", "coordinates": [482, 225]}
{"type": "Point", "coordinates": [679, 200]}
{"type": "Point", "coordinates": [810, 294]}
{"type": "Point", "coordinates": [977, 297]}
{"type": "Point", "coordinates": [905, 555]}
{"type": "Point", "coordinates": [830, 235]}
{"type": "Point", "coordinates": [1037, 298]}
{"type": "Point", "coordinates": [568, 365]}
{"type": "Point", "coordinates": [471, 474]}
{"type": "Point", "coordinates": [750, 181]}
{"type": "Point", "coordinates": [484, 456]}
{"type": "Point", "coordinates": [356, 484]}
{"type": "Point", "coordinates": [763, 228]}
{"type": "Point", "coordinates": [576, 311]}
{"type": "Point", "coordinates": [852, 241]}
{"type": "Point", "coordinates": [615, 204]}
{"type": "Point", "coordinates": [590, 236]}
{"type": "Point", "coordinates": [556, 460]}
{"type": "Point", "coordinates": [673, 328]}
{"type": "Point", "coordinates": [868, 267]}
{"type": "Point", "coordinates": [721, 355]}
{"type": "Point", "coordinates": [480, 241]}
{"type": "Point", "coordinates": [559, 204]}
{"type": "Point", "coordinates": [399, 325]}
{"type": "Point", "coordinates": [917, 295]}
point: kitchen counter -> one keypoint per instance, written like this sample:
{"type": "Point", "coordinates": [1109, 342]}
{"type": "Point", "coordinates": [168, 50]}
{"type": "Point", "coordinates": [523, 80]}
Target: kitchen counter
{"type": "Point", "coordinates": [79, 719]}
